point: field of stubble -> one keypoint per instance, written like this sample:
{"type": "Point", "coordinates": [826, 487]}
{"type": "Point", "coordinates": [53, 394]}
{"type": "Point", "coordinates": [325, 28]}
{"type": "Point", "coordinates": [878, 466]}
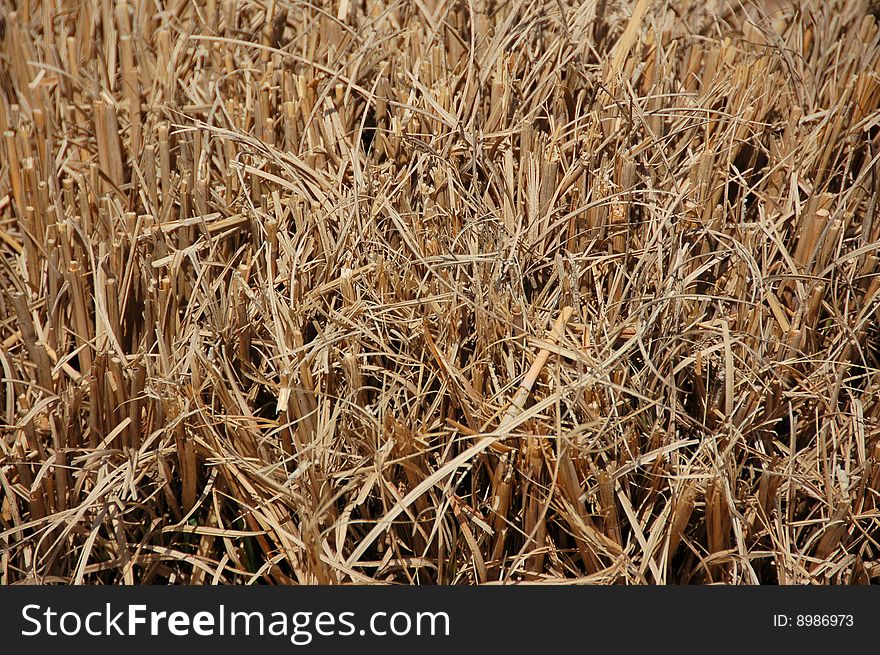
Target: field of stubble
{"type": "Point", "coordinates": [439, 292]}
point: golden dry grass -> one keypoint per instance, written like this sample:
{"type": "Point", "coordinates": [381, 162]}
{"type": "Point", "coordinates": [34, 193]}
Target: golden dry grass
{"type": "Point", "coordinates": [439, 292]}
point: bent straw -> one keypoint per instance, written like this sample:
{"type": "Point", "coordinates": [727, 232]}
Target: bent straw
{"type": "Point", "coordinates": [525, 388]}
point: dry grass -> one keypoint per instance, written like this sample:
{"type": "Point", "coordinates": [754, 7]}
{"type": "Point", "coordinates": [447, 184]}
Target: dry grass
{"type": "Point", "coordinates": [439, 292]}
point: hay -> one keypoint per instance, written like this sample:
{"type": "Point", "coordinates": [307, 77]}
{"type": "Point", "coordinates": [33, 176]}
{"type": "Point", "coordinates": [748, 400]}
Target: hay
{"type": "Point", "coordinates": [439, 292]}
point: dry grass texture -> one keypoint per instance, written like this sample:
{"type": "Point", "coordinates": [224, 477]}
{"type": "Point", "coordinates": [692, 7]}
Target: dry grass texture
{"type": "Point", "coordinates": [439, 292]}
